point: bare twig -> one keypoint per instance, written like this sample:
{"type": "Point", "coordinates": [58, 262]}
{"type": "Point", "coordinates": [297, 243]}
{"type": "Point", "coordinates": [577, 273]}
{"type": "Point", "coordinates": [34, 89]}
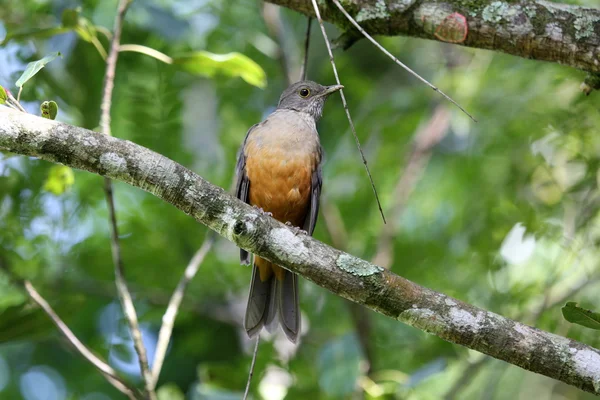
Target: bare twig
{"type": "Point", "coordinates": [111, 66]}
{"type": "Point", "coordinates": [109, 373]}
{"type": "Point", "coordinates": [251, 372]}
{"type": "Point", "coordinates": [304, 67]}
{"type": "Point", "coordinates": [390, 55]}
{"type": "Point", "coordinates": [337, 79]}
{"type": "Point", "coordinates": [168, 320]}
{"type": "Point", "coordinates": [13, 103]}
{"type": "Point", "coordinates": [122, 290]}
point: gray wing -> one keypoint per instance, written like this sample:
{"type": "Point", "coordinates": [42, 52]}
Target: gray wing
{"type": "Point", "coordinates": [242, 187]}
{"type": "Point", "coordinates": [315, 197]}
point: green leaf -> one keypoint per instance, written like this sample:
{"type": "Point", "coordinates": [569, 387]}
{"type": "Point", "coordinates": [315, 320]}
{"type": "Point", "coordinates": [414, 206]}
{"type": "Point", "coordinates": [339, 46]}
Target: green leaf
{"type": "Point", "coordinates": [70, 17]}
{"type": "Point", "coordinates": [86, 30]}
{"type": "Point", "coordinates": [34, 67]}
{"type": "Point", "coordinates": [49, 109]}
{"type": "Point", "coordinates": [232, 64]}
{"type": "Point", "coordinates": [39, 33]}
{"type": "Point", "coordinates": [170, 391]}
{"type": "Point", "coordinates": [60, 179]}
{"type": "Point", "coordinates": [3, 95]}
{"type": "Point", "coordinates": [581, 316]}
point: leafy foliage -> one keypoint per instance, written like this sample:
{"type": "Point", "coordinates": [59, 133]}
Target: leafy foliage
{"type": "Point", "coordinates": [230, 64]}
{"type": "Point", "coordinates": [581, 316]}
{"type": "Point", "coordinates": [34, 67]}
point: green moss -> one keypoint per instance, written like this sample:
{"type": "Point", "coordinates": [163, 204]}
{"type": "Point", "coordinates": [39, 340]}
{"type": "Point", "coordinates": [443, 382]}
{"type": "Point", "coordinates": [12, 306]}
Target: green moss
{"type": "Point", "coordinates": [530, 11]}
{"type": "Point", "coordinates": [377, 11]}
{"type": "Point", "coordinates": [584, 24]}
{"type": "Point", "coordinates": [356, 266]}
{"type": "Point", "coordinates": [495, 11]}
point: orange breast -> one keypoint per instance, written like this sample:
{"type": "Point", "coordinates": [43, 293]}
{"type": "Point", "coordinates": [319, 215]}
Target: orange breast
{"type": "Point", "coordinates": [280, 181]}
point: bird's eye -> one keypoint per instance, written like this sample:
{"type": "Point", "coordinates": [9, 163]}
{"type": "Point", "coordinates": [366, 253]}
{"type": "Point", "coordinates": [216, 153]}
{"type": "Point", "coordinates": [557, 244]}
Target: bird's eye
{"type": "Point", "coordinates": [304, 92]}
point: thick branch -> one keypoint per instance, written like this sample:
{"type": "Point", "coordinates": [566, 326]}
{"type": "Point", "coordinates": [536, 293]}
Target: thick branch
{"type": "Point", "coordinates": [534, 29]}
{"type": "Point", "coordinates": [360, 281]}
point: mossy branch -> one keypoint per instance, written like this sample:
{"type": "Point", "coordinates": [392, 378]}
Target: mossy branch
{"type": "Point", "coordinates": [343, 274]}
{"type": "Point", "coordinates": [533, 29]}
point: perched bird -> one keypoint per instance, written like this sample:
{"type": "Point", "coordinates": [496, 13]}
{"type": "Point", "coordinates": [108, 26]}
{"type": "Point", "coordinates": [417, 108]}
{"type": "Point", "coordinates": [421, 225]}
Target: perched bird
{"type": "Point", "coordinates": [279, 171]}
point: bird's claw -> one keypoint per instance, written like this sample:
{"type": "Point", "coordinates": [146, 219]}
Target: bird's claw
{"type": "Point", "coordinates": [297, 230]}
{"type": "Point", "coordinates": [263, 212]}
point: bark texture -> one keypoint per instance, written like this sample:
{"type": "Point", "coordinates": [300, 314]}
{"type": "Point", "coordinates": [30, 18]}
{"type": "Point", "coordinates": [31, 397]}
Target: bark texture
{"type": "Point", "coordinates": [534, 29]}
{"type": "Point", "coordinates": [357, 280]}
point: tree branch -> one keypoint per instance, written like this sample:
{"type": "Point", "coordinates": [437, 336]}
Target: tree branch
{"type": "Point", "coordinates": [109, 373]}
{"type": "Point", "coordinates": [168, 321]}
{"type": "Point", "coordinates": [350, 277]}
{"type": "Point", "coordinates": [120, 282]}
{"type": "Point", "coordinates": [533, 29]}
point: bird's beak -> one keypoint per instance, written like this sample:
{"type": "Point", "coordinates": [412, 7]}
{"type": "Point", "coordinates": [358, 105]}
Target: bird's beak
{"type": "Point", "coordinates": [330, 89]}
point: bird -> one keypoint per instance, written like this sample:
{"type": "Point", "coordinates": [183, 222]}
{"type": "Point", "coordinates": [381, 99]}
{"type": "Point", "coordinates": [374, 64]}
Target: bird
{"type": "Point", "coordinates": [279, 172]}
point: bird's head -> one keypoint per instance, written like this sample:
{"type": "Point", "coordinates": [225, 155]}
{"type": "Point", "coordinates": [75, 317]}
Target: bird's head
{"type": "Point", "coordinates": [306, 96]}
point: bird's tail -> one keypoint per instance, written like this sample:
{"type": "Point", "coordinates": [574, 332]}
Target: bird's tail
{"type": "Point", "coordinates": [273, 291]}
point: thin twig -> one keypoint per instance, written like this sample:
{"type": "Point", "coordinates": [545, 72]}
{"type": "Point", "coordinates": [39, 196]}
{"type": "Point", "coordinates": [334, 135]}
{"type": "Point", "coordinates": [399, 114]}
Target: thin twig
{"type": "Point", "coordinates": [251, 373]}
{"type": "Point", "coordinates": [121, 284]}
{"type": "Point", "coordinates": [14, 103]}
{"type": "Point", "coordinates": [390, 55]}
{"type": "Point", "coordinates": [337, 79]}
{"type": "Point", "coordinates": [111, 66]}
{"type": "Point", "coordinates": [107, 371]}
{"type": "Point", "coordinates": [304, 67]}
{"type": "Point", "coordinates": [168, 319]}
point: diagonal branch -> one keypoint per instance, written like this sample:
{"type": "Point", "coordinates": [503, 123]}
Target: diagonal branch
{"type": "Point", "coordinates": [106, 370]}
{"type": "Point", "coordinates": [532, 29]}
{"type": "Point", "coordinates": [377, 288]}
{"type": "Point", "coordinates": [122, 290]}
{"type": "Point", "coordinates": [168, 320]}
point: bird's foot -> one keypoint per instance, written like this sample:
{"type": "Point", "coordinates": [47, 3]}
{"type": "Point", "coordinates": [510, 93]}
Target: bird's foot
{"type": "Point", "coordinates": [263, 212]}
{"type": "Point", "coordinates": [296, 230]}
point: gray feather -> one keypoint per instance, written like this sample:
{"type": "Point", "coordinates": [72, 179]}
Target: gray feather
{"type": "Point", "coordinates": [242, 187]}
{"type": "Point", "coordinates": [259, 301]}
{"type": "Point", "coordinates": [288, 307]}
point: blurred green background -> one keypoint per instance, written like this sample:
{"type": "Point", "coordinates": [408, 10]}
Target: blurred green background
{"type": "Point", "coordinates": [502, 214]}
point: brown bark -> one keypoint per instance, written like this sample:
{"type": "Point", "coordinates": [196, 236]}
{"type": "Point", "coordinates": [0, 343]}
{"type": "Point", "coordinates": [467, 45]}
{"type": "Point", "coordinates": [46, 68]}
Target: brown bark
{"type": "Point", "coordinates": [533, 29]}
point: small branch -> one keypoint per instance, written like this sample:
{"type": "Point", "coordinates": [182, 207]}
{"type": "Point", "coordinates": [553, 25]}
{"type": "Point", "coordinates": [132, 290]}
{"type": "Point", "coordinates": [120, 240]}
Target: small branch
{"type": "Point", "coordinates": [251, 372]}
{"type": "Point", "coordinates": [304, 67]}
{"type": "Point", "coordinates": [122, 290]}
{"type": "Point", "coordinates": [13, 103]}
{"type": "Point", "coordinates": [168, 320]}
{"type": "Point", "coordinates": [107, 371]}
{"type": "Point", "coordinates": [111, 66]}
{"type": "Point", "coordinates": [390, 55]}
{"type": "Point", "coordinates": [337, 79]}
{"type": "Point", "coordinates": [350, 277]}
{"type": "Point", "coordinates": [532, 29]}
